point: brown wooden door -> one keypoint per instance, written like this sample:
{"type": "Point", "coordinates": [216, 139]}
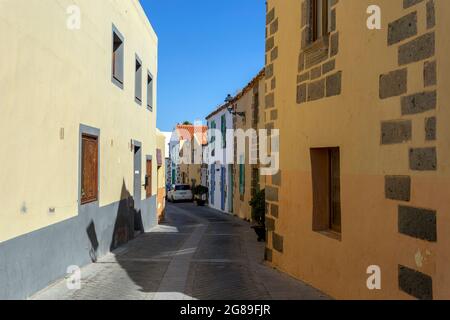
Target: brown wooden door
{"type": "Point", "coordinates": [89, 171]}
{"type": "Point", "coordinates": [148, 179]}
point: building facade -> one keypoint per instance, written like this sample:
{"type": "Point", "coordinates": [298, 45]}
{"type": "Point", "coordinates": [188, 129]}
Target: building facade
{"type": "Point", "coordinates": [161, 174]}
{"type": "Point", "coordinates": [364, 150]}
{"type": "Point", "coordinates": [220, 173]}
{"type": "Point", "coordinates": [79, 113]}
{"type": "Point", "coordinates": [249, 107]}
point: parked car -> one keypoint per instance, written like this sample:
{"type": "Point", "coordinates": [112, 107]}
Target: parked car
{"type": "Point", "coordinates": [180, 192]}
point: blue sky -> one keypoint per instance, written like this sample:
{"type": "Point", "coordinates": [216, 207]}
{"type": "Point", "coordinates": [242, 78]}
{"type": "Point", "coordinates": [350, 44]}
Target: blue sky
{"type": "Point", "coordinates": [207, 49]}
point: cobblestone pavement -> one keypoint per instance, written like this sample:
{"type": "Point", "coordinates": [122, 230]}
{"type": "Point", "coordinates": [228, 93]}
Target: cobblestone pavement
{"type": "Point", "coordinates": [198, 253]}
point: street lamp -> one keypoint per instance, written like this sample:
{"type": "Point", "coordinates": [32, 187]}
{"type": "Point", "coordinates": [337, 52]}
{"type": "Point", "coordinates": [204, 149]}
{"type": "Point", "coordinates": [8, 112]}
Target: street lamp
{"type": "Point", "coordinates": [229, 99]}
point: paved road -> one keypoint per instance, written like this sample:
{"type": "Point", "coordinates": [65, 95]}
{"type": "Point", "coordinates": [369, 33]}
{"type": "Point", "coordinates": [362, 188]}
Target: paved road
{"type": "Point", "coordinates": [198, 253]}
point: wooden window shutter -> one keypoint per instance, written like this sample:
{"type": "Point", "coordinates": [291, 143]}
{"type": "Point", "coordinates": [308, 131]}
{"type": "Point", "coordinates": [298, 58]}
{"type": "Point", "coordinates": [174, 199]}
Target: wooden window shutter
{"type": "Point", "coordinates": [89, 171]}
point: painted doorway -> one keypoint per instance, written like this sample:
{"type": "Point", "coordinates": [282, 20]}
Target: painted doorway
{"type": "Point", "coordinates": [137, 196]}
{"type": "Point", "coordinates": [148, 180]}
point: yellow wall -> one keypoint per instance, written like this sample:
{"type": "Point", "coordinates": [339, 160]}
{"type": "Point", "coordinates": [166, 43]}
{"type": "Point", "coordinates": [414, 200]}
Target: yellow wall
{"type": "Point", "coordinates": [161, 174]}
{"type": "Point", "coordinates": [352, 122]}
{"type": "Point", "coordinates": [54, 78]}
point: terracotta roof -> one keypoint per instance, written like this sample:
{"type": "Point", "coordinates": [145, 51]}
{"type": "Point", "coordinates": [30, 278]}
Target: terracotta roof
{"type": "Point", "coordinates": [248, 87]}
{"type": "Point", "coordinates": [186, 132]}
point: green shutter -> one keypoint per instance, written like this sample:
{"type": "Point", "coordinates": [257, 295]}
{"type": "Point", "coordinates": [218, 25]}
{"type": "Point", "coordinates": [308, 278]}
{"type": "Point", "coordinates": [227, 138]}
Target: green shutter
{"type": "Point", "coordinates": [224, 131]}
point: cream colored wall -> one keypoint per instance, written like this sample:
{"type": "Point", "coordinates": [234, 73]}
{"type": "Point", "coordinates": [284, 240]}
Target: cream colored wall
{"type": "Point", "coordinates": [352, 121]}
{"type": "Point", "coordinates": [52, 78]}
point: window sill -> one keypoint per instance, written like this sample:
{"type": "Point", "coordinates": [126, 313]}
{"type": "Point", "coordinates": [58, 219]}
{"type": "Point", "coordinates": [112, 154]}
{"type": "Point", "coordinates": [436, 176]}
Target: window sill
{"type": "Point", "coordinates": [138, 101]}
{"type": "Point", "coordinates": [117, 82]}
{"type": "Point", "coordinates": [319, 44]}
{"type": "Point", "coordinates": [331, 234]}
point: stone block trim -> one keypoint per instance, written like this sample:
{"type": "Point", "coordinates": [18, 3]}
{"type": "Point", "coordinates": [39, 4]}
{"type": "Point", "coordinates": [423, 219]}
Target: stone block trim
{"type": "Point", "coordinates": [271, 194]}
{"type": "Point", "coordinates": [429, 73]}
{"type": "Point", "coordinates": [393, 132]}
{"type": "Point", "coordinates": [334, 84]}
{"type": "Point", "coordinates": [403, 28]}
{"type": "Point", "coordinates": [423, 159]}
{"type": "Point", "coordinates": [394, 83]}
{"type": "Point", "coordinates": [273, 83]}
{"type": "Point", "coordinates": [415, 283]}
{"type": "Point", "coordinates": [274, 210]}
{"type": "Point", "coordinates": [274, 54]}
{"type": "Point", "coordinates": [316, 73]}
{"type": "Point", "coordinates": [416, 50]}
{"type": "Point", "coordinates": [270, 16]}
{"type": "Point", "coordinates": [269, 71]}
{"type": "Point", "coordinates": [270, 44]}
{"type": "Point", "coordinates": [398, 188]}
{"type": "Point", "coordinates": [276, 179]}
{"type": "Point", "coordinates": [277, 242]}
{"type": "Point", "coordinates": [409, 3]}
{"type": "Point", "coordinates": [274, 27]}
{"type": "Point", "coordinates": [417, 223]}
{"type": "Point", "coordinates": [430, 129]}
{"type": "Point", "coordinates": [316, 90]}
{"type": "Point", "coordinates": [270, 100]}
{"type": "Point", "coordinates": [431, 15]}
{"type": "Point", "coordinates": [270, 224]}
{"type": "Point", "coordinates": [301, 93]}
{"type": "Point", "coordinates": [303, 77]}
{"type": "Point", "coordinates": [328, 66]}
{"type": "Point", "coordinates": [419, 102]}
{"type": "Point", "coordinates": [334, 44]}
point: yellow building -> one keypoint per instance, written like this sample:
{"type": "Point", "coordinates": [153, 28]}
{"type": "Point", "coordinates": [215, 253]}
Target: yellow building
{"type": "Point", "coordinates": [191, 140]}
{"type": "Point", "coordinates": [363, 187]}
{"type": "Point", "coordinates": [161, 174]}
{"type": "Point", "coordinates": [78, 130]}
{"type": "Point", "coordinates": [248, 105]}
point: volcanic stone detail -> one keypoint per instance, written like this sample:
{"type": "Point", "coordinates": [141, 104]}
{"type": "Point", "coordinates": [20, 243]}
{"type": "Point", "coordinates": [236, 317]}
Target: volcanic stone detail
{"type": "Point", "coordinates": [270, 44]}
{"type": "Point", "coordinates": [270, 100]}
{"type": "Point", "coordinates": [430, 129]}
{"type": "Point", "coordinates": [268, 255]}
{"type": "Point", "coordinates": [270, 224]}
{"type": "Point", "coordinates": [301, 93]}
{"type": "Point", "coordinates": [431, 15]}
{"type": "Point", "coordinates": [423, 159]}
{"type": "Point", "coordinates": [316, 73]}
{"type": "Point", "coordinates": [402, 28]}
{"type": "Point", "coordinates": [419, 102]}
{"type": "Point", "coordinates": [334, 44]}
{"type": "Point", "coordinates": [303, 77]}
{"type": "Point", "coordinates": [410, 3]}
{"type": "Point", "coordinates": [277, 241]}
{"type": "Point", "coordinates": [333, 20]}
{"type": "Point", "coordinates": [273, 83]}
{"type": "Point", "coordinates": [274, 27]}
{"type": "Point", "coordinates": [276, 179]}
{"type": "Point", "coordinates": [274, 54]}
{"type": "Point", "coordinates": [429, 74]}
{"type": "Point", "coordinates": [417, 223]}
{"type": "Point", "coordinates": [270, 16]}
{"type": "Point", "coordinates": [274, 115]}
{"type": "Point", "coordinates": [274, 210]}
{"type": "Point", "coordinates": [269, 71]}
{"type": "Point", "coordinates": [398, 188]}
{"type": "Point", "coordinates": [316, 90]}
{"type": "Point", "coordinates": [328, 66]}
{"type": "Point", "coordinates": [393, 132]}
{"type": "Point", "coordinates": [418, 49]}
{"type": "Point", "coordinates": [415, 283]}
{"type": "Point", "coordinates": [393, 83]}
{"type": "Point", "coordinates": [271, 194]}
{"type": "Point", "coordinates": [334, 84]}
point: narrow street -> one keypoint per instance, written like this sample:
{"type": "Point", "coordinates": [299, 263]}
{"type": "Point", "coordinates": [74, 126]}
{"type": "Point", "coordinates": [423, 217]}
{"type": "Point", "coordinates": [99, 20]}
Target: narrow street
{"type": "Point", "coordinates": [198, 253]}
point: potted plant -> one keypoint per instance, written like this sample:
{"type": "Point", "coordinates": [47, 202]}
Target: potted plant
{"type": "Point", "coordinates": [200, 193]}
{"type": "Point", "coordinates": [258, 204]}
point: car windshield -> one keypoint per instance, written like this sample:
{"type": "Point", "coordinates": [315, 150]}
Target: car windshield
{"type": "Point", "coordinates": [182, 188]}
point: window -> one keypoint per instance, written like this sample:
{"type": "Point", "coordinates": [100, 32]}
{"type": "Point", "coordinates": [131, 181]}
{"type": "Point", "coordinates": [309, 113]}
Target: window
{"type": "Point", "coordinates": [150, 91]}
{"type": "Point", "coordinates": [138, 81]}
{"type": "Point", "coordinates": [326, 189]}
{"type": "Point", "coordinates": [89, 169]}
{"type": "Point", "coordinates": [242, 176]}
{"type": "Point", "coordinates": [117, 59]}
{"type": "Point", "coordinates": [320, 14]}
{"type": "Point", "coordinates": [223, 129]}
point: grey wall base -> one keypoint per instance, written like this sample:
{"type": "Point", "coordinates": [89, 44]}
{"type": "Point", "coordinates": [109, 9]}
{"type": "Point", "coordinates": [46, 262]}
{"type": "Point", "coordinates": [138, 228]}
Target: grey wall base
{"type": "Point", "coordinates": [33, 261]}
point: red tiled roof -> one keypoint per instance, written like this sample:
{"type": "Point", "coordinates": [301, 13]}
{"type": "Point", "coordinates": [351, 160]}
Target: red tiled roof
{"type": "Point", "coordinates": [186, 132]}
